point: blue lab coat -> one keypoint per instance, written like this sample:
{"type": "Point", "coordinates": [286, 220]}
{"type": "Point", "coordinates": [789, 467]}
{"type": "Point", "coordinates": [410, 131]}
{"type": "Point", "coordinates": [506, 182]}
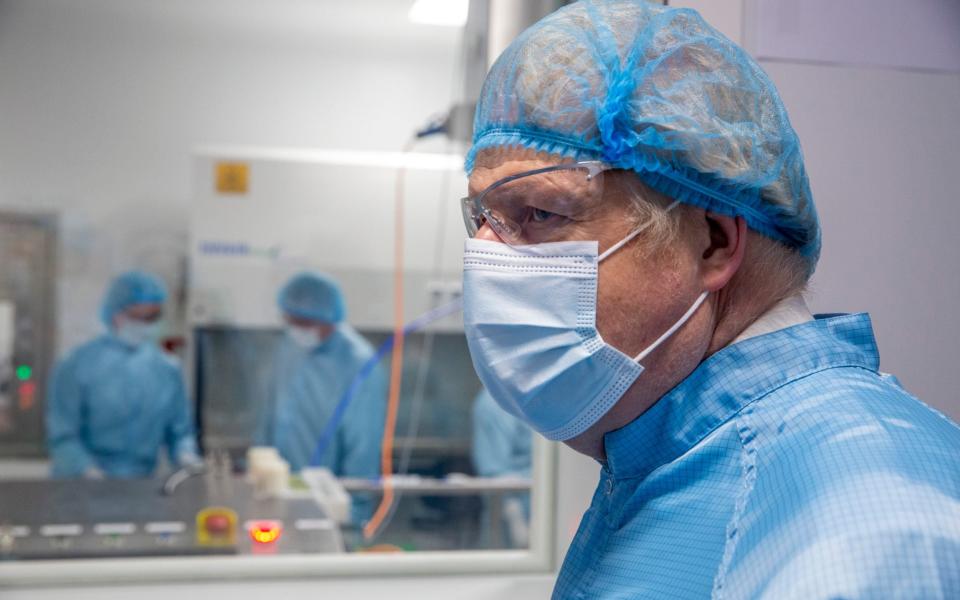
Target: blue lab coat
{"type": "Point", "coordinates": [112, 405]}
{"type": "Point", "coordinates": [307, 385]}
{"type": "Point", "coordinates": [784, 467]}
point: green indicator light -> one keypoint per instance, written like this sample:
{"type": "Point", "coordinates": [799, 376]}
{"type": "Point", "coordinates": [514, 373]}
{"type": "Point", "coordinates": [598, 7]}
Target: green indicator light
{"type": "Point", "coordinates": [24, 372]}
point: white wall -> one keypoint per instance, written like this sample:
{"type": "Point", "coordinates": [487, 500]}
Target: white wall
{"type": "Point", "coordinates": [882, 149]}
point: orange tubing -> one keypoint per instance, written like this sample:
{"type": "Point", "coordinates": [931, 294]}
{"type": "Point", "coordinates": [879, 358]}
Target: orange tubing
{"type": "Point", "coordinates": [396, 368]}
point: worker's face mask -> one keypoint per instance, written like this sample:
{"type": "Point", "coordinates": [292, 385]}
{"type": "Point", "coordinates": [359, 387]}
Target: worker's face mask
{"type": "Point", "coordinates": [530, 319]}
{"type": "Point", "coordinates": [138, 333]}
{"type": "Point", "coordinates": [307, 338]}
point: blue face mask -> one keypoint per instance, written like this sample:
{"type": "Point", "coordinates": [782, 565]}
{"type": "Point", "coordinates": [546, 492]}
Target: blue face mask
{"type": "Point", "coordinates": [530, 318]}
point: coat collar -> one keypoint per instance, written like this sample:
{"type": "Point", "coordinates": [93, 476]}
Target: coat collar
{"type": "Point", "coordinates": [726, 382]}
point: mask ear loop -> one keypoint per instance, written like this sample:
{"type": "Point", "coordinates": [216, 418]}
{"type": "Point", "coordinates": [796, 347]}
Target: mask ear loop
{"type": "Point", "coordinates": [683, 319]}
{"type": "Point", "coordinates": [686, 317]}
{"type": "Point", "coordinates": [631, 235]}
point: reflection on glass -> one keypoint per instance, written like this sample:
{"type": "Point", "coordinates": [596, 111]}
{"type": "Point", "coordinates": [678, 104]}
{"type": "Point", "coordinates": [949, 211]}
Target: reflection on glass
{"type": "Point", "coordinates": [445, 437]}
{"type": "Point", "coordinates": [241, 410]}
{"type": "Point", "coordinates": [117, 408]}
{"type": "Point", "coordinates": [155, 397]}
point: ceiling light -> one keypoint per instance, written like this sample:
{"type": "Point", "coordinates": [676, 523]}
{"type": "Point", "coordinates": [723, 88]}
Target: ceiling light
{"type": "Point", "coordinates": [449, 13]}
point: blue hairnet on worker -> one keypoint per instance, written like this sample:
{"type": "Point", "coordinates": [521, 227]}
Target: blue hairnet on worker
{"type": "Point", "coordinates": [116, 400]}
{"type": "Point", "coordinates": [502, 446]}
{"type": "Point", "coordinates": [641, 233]}
{"type": "Point", "coordinates": [315, 364]}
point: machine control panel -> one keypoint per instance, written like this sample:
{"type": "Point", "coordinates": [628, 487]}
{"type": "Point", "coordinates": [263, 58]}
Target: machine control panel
{"type": "Point", "coordinates": [206, 515]}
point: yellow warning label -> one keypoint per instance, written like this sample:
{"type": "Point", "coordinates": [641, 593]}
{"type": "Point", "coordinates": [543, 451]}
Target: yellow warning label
{"type": "Point", "coordinates": [232, 177]}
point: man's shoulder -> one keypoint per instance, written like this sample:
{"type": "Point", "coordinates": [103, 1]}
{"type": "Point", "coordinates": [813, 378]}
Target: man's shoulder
{"type": "Point", "coordinates": [90, 349]}
{"type": "Point", "coordinates": [847, 408]}
{"type": "Point", "coordinates": [847, 466]}
{"type": "Point", "coordinates": [840, 423]}
{"type": "Point", "coordinates": [356, 345]}
{"type": "Point", "coordinates": [903, 561]}
{"type": "Point", "coordinates": [163, 363]}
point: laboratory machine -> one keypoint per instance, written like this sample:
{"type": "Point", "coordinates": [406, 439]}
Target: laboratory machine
{"type": "Point", "coordinates": [204, 514]}
{"type": "Point", "coordinates": [28, 263]}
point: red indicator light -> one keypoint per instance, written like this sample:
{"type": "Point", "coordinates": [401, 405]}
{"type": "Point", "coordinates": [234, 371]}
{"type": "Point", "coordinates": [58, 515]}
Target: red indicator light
{"type": "Point", "coordinates": [265, 532]}
{"type": "Point", "coordinates": [27, 395]}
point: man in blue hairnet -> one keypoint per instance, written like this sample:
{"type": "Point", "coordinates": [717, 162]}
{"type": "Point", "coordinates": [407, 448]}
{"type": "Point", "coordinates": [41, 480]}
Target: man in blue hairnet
{"type": "Point", "coordinates": [116, 400]}
{"type": "Point", "coordinates": [642, 230]}
{"type": "Point", "coordinates": [316, 363]}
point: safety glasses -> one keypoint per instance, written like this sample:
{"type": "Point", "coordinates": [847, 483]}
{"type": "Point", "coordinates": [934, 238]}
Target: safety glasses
{"type": "Point", "coordinates": [534, 206]}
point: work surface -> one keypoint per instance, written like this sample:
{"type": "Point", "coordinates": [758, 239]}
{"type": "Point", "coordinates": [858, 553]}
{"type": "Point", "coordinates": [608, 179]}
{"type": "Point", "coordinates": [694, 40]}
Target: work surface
{"type": "Point", "coordinates": [204, 515]}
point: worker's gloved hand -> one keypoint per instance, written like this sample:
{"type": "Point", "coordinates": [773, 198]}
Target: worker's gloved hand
{"type": "Point", "coordinates": [190, 461]}
{"type": "Point", "coordinates": [93, 473]}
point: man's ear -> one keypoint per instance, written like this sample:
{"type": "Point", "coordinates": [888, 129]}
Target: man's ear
{"type": "Point", "coordinates": [724, 252]}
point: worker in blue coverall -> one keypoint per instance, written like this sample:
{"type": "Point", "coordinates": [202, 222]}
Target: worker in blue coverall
{"type": "Point", "coordinates": [116, 400]}
{"type": "Point", "coordinates": [642, 230]}
{"type": "Point", "coordinates": [316, 363]}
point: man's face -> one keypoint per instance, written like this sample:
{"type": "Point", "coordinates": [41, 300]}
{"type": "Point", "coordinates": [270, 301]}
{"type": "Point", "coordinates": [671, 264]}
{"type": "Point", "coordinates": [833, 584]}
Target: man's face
{"type": "Point", "coordinates": [639, 295]}
{"type": "Point", "coordinates": [636, 295]}
{"type": "Point", "coordinates": [147, 313]}
{"type": "Point", "coordinates": [322, 329]}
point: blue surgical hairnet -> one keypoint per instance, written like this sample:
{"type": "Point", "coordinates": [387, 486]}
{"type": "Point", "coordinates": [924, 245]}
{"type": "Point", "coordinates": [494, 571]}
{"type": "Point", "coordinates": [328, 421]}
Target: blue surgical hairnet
{"type": "Point", "coordinates": [132, 287]}
{"type": "Point", "coordinates": [658, 91]}
{"type": "Point", "coordinates": [314, 297]}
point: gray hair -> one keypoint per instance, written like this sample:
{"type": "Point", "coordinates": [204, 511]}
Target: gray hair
{"type": "Point", "coordinates": [770, 272]}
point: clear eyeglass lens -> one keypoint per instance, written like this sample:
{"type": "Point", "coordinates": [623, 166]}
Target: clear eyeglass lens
{"type": "Point", "coordinates": [534, 208]}
{"type": "Point", "coordinates": [473, 218]}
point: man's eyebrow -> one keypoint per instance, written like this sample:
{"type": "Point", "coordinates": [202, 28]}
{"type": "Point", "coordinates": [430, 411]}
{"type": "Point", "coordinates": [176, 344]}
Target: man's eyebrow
{"type": "Point", "coordinates": [525, 186]}
{"type": "Point", "coordinates": [529, 186]}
